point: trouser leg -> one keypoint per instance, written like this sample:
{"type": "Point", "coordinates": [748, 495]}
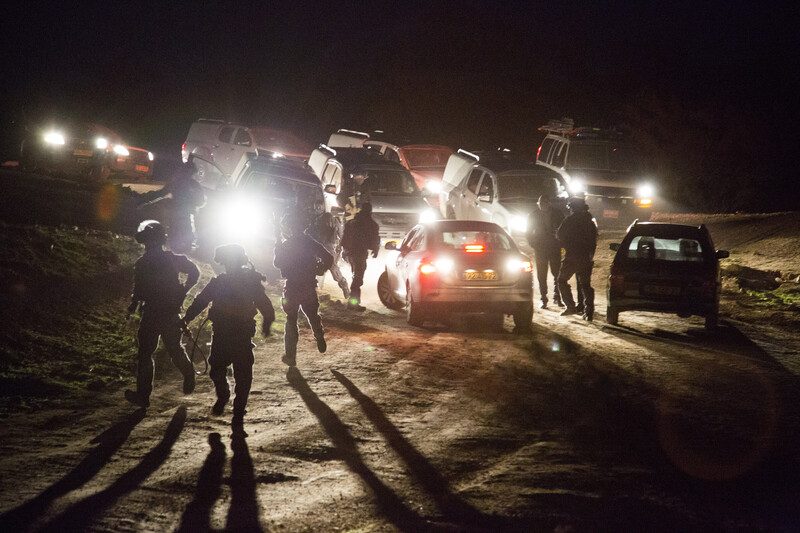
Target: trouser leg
{"type": "Point", "coordinates": [542, 259]}
{"type": "Point", "coordinates": [145, 367]}
{"type": "Point", "coordinates": [359, 265]}
{"type": "Point", "coordinates": [290, 335]}
{"type": "Point", "coordinates": [171, 336]}
{"type": "Point", "coordinates": [218, 363]}
{"type": "Point", "coordinates": [555, 267]}
{"type": "Point", "coordinates": [584, 280]}
{"type": "Point", "coordinates": [310, 306]}
{"type": "Point", "coordinates": [243, 375]}
{"type": "Point", "coordinates": [564, 274]}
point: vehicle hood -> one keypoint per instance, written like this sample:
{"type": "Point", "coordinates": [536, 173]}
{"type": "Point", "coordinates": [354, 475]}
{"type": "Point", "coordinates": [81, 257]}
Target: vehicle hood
{"type": "Point", "coordinates": [397, 203]}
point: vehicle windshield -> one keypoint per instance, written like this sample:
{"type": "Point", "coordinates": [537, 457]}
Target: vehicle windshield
{"type": "Point", "coordinates": [389, 182]}
{"type": "Point", "coordinates": [492, 241]}
{"type": "Point", "coordinates": [603, 156]}
{"type": "Point", "coordinates": [528, 186]}
{"type": "Point", "coordinates": [426, 157]}
{"type": "Point", "coordinates": [646, 248]}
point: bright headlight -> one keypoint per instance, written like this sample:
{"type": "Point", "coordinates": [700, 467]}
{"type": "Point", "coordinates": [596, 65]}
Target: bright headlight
{"type": "Point", "coordinates": [54, 138]}
{"type": "Point", "coordinates": [434, 186]}
{"type": "Point", "coordinates": [241, 217]}
{"type": "Point", "coordinates": [519, 223]}
{"type": "Point", "coordinates": [121, 150]}
{"type": "Point", "coordinates": [429, 215]}
{"type": "Point", "coordinates": [150, 156]}
{"type": "Point", "coordinates": [577, 187]}
{"type": "Point", "coordinates": [101, 143]}
{"type": "Point", "coordinates": [645, 191]}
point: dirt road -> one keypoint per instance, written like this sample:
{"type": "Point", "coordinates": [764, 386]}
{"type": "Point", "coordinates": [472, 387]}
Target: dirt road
{"type": "Point", "coordinates": [655, 425]}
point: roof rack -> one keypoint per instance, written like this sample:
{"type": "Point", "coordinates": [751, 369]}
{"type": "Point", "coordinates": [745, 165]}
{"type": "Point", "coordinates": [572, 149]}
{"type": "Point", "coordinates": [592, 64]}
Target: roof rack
{"type": "Point", "coordinates": [353, 132]}
{"type": "Point", "coordinates": [563, 126]}
{"type": "Point", "coordinates": [327, 148]}
{"type": "Point", "coordinates": [469, 154]}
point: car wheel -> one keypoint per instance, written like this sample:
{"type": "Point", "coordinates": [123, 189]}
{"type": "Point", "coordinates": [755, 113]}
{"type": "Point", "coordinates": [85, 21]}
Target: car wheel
{"type": "Point", "coordinates": [612, 316]}
{"type": "Point", "coordinates": [712, 321]}
{"type": "Point", "coordinates": [387, 295]}
{"type": "Point", "coordinates": [414, 312]}
{"type": "Point", "coordinates": [523, 317]}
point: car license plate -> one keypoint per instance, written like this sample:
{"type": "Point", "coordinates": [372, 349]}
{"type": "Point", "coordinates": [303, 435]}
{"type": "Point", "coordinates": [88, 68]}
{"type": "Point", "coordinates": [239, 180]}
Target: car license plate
{"type": "Point", "coordinates": [488, 275]}
{"type": "Point", "coordinates": [142, 168]}
{"type": "Point", "coordinates": [610, 213]}
{"type": "Point", "coordinates": [85, 153]}
{"type": "Point", "coordinates": [662, 290]}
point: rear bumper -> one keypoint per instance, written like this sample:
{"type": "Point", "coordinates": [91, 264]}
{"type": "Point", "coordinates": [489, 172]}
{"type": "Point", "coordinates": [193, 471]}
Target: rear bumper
{"type": "Point", "coordinates": [679, 307]}
{"type": "Point", "coordinates": [475, 299]}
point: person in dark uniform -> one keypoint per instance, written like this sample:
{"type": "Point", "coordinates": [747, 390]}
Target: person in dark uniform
{"type": "Point", "coordinates": [300, 259]}
{"type": "Point", "coordinates": [234, 296]}
{"type": "Point", "coordinates": [543, 224]}
{"type": "Point", "coordinates": [578, 236]}
{"type": "Point", "coordinates": [187, 197]}
{"type": "Point", "coordinates": [327, 230]}
{"type": "Point", "coordinates": [359, 238]}
{"type": "Point", "coordinates": [157, 287]}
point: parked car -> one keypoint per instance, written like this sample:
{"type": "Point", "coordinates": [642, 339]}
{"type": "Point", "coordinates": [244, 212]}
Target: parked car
{"type": "Point", "coordinates": [502, 188]}
{"type": "Point", "coordinates": [668, 268]}
{"type": "Point", "coordinates": [458, 266]}
{"type": "Point", "coordinates": [602, 165]}
{"type": "Point", "coordinates": [351, 176]}
{"type": "Point", "coordinates": [86, 150]}
{"type": "Point", "coordinates": [225, 145]}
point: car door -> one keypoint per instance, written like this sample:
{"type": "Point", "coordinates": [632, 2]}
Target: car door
{"type": "Point", "coordinates": [483, 208]}
{"type": "Point", "coordinates": [331, 178]}
{"type": "Point", "coordinates": [468, 196]}
{"type": "Point", "coordinates": [231, 153]}
{"type": "Point", "coordinates": [408, 259]}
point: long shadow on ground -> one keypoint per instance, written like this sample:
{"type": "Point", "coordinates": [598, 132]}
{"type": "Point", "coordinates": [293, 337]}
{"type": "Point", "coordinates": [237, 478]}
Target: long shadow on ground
{"type": "Point", "coordinates": [108, 443]}
{"type": "Point", "coordinates": [80, 515]}
{"type": "Point", "coordinates": [197, 516]}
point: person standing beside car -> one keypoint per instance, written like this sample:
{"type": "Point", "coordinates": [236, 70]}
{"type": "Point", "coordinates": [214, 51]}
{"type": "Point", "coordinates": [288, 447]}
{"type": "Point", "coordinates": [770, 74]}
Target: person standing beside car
{"type": "Point", "coordinates": [157, 287]}
{"type": "Point", "coordinates": [543, 223]}
{"type": "Point", "coordinates": [300, 259]}
{"type": "Point", "coordinates": [327, 230]}
{"type": "Point", "coordinates": [360, 236]}
{"type": "Point", "coordinates": [578, 236]}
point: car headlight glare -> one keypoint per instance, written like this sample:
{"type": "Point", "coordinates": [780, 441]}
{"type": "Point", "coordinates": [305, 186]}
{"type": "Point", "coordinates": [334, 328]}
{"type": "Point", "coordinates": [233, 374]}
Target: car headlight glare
{"type": "Point", "coordinates": [434, 186]}
{"type": "Point", "coordinates": [645, 191]}
{"type": "Point", "coordinates": [54, 138]}
{"type": "Point", "coordinates": [429, 215]}
{"type": "Point", "coordinates": [577, 187]}
{"type": "Point", "coordinates": [150, 156]}
{"type": "Point", "coordinates": [519, 223]}
{"type": "Point", "coordinates": [241, 218]}
{"type": "Point", "coordinates": [100, 143]}
{"type": "Point", "coordinates": [121, 150]}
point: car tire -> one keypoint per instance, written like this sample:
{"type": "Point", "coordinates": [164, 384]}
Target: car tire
{"type": "Point", "coordinates": [612, 316]}
{"type": "Point", "coordinates": [415, 314]}
{"type": "Point", "coordinates": [712, 321]}
{"type": "Point", "coordinates": [523, 316]}
{"type": "Point", "coordinates": [387, 295]}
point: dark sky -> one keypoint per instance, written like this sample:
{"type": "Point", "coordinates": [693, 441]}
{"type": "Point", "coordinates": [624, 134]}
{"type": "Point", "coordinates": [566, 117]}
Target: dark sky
{"type": "Point", "coordinates": [462, 73]}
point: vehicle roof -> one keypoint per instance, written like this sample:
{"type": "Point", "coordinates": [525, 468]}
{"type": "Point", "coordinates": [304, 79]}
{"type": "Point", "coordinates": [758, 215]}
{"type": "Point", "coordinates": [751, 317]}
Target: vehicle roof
{"type": "Point", "coordinates": [666, 230]}
{"type": "Point", "coordinates": [286, 168]}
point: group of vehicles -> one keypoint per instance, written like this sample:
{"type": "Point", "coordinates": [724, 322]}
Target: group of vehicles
{"type": "Point", "coordinates": [452, 222]}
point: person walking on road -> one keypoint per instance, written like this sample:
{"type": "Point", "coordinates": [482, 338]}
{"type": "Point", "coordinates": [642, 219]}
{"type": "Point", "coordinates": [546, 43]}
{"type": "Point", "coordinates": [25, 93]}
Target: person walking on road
{"type": "Point", "coordinates": [157, 288]}
{"type": "Point", "coordinates": [327, 230]}
{"type": "Point", "coordinates": [300, 259]}
{"type": "Point", "coordinates": [543, 223]}
{"type": "Point", "coordinates": [359, 238]}
{"type": "Point", "coordinates": [234, 296]}
{"type": "Point", "coordinates": [578, 236]}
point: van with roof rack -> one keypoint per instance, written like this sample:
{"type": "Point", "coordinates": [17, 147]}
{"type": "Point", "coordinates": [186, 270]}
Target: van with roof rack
{"type": "Point", "coordinates": [601, 164]}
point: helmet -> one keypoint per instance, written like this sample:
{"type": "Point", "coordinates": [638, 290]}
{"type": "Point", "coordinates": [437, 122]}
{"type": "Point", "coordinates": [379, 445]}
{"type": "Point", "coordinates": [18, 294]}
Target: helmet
{"type": "Point", "coordinates": [151, 232]}
{"type": "Point", "coordinates": [231, 254]}
{"type": "Point", "coordinates": [576, 202]}
{"type": "Point", "coordinates": [366, 208]}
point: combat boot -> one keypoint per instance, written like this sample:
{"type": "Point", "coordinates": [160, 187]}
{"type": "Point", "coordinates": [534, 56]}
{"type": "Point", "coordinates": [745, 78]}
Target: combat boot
{"type": "Point", "coordinates": [322, 346]}
{"type": "Point", "coordinates": [219, 405]}
{"type": "Point", "coordinates": [136, 399]}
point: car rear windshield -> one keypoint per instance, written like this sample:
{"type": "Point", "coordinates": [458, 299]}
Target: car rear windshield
{"type": "Point", "coordinates": [492, 241]}
{"type": "Point", "coordinates": [528, 186]}
{"type": "Point", "coordinates": [389, 182]}
{"type": "Point", "coordinates": [426, 157]}
{"type": "Point", "coordinates": [603, 156]}
{"type": "Point", "coordinates": [645, 248]}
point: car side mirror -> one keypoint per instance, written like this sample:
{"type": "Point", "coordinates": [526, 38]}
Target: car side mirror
{"type": "Point", "coordinates": [614, 246]}
{"type": "Point", "coordinates": [390, 245]}
{"type": "Point", "coordinates": [330, 188]}
{"type": "Point", "coordinates": [723, 254]}
{"type": "Point", "coordinates": [484, 198]}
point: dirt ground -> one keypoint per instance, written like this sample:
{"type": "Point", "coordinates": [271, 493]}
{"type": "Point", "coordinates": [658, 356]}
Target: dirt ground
{"type": "Point", "coordinates": [653, 425]}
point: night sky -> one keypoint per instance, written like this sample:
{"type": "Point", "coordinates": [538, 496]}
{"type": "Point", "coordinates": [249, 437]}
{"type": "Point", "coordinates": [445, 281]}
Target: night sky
{"type": "Point", "coordinates": [467, 74]}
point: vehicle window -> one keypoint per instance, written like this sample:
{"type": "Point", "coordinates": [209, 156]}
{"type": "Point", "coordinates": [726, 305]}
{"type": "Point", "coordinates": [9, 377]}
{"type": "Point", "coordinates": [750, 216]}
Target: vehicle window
{"type": "Point", "coordinates": [328, 174]}
{"type": "Point", "coordinates": [544, 150]}
{"type": "Point", "coordinates": [225, 134]}
{"type": "Point", "coordinates": [559, 154]}
{"type": "Point", "coordinates": [426, 157]}
{"type": "Point", "coordinates": [490, 240]}
{"type": "Point", "coordinates": [373, 147]}
{"type": "Point", "coordinates": [474, 180]}
{"type": "Point", "coordinates": [528, 186]}
{"type": "Point", "coordinates": [242, 138]}
{"type": "Point", "coordinates": [417, 242]}
{"type": "Point", "coordinates": [588, 156]}
{"type": "Point", "coordinates": [413, 233]}
{"type": "Point", "coordinates": [487, 186]}
{"type": "Point", "coordinates": [645, 248]}
{"type": "Point", "coordinates": [391, 155]}
{"type": "Point", "coordinates": [389, 182]}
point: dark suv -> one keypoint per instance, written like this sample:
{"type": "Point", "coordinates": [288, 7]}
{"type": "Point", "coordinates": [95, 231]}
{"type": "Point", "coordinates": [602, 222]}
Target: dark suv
{"type": "Point", "coordinates": [668, 268]}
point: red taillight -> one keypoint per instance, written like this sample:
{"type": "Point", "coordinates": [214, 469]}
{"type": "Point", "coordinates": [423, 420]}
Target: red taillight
{"type": "Point", "coordinates": [473, 248]}
{"type": "Point", "coordinates": [183, 150]}
{"type": "Point", "coordinates": [616, 279]}
{"type": "Point", "coordinates": [538, 151]}
{"type": "Point", "coordinates": [526, 266]}
{"type": "Point", "coordinates": [426, 268]}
